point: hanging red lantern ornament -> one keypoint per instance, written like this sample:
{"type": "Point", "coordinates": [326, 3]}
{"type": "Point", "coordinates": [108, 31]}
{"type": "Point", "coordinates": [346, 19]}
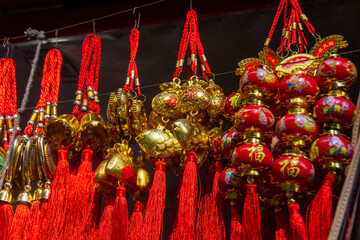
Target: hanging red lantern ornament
{"type": "Point", "coordinates": [229, 141]}
{"type": "Point", "coordinates": [331, 151]}
{"type": "Point", "coordinates": [232, 105]}
{"type": "Point", "coordinates": [252, 158]}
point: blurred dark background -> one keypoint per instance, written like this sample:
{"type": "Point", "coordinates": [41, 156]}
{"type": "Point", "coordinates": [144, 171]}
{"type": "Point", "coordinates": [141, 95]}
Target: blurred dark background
{"type": "Point", "coordinates": [230, 30]}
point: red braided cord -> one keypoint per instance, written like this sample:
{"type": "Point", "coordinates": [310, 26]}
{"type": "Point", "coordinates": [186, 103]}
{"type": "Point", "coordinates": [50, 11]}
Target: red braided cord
{"type": "Point", "coordinates": [301, 35]}
{"type": "Point", "coordinates": [55, 84]}
{"type": "Point", "coordinates": [293, 32]}
{"type": "Point", "coordinates": [9, 83]}
{"type": "Point", "coordinates": [89, 71]}
{"type": "Point", "coordinates": [184, 43]}
{"type": "Point", "coordinates": [286, 27]}
{"type": "Point", "coordinates": [193, 42]}
{"type": "Point", "coordinates": [276, 18]}
{"type": "Point", "coordinates": [2, 88]}
{"type": "Point", "coordinates": [201, 50]}
{"type": "Point", "coordinates": [310, 27]}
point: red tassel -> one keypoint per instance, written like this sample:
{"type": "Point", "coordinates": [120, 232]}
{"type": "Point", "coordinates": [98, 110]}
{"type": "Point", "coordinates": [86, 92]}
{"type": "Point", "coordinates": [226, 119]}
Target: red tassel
{"type": "Point", "coordinates": [54, 220]}
{"type": "Point", "coordinates": [176, 207]}
{"type": "Point", "coordinates": [281, 226]}
{"type": "Point", "coordinates": [32, 228]}
{"type": "Point", "coordinates": [105, 230]}
{"type": "Point", "coordinates": [204, 209]}
{"type": "Point", "coordinates": [19, 222]}
{"type": "Point", "coordinates": [321, 212]}
{"type": "Point", "coordinates": [218, 204]}
{"type": "Point", "coordinates": [185, 225]}
{"type": "Point", "coordinates": [121, 217]}
{"type": "Point", "coordinates": [235, 228]}
{"type": "Point", "coordinates": [6, 218]}
{"type": "Point", "coordinates": [297, 226]}
{"type": "Point", "coordinates": [136, 222]}
{"type": "Point", "coordinates": [251, 221]}
{"type": "Point", "coordinates": [80, 208]}
{"type": "Point", "coordinates": [153, 214]}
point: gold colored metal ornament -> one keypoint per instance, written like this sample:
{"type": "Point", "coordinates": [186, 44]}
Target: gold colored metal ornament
{"type": "Point", "coordinates": [139, 114]}
{"type": "Point", "coordinates": [215, 136]}
{"type": "Point", "coordinates": [119, 157]}
{"type": "Point", "coordinates": [124, 110]}
{"type": "Point", "coordinates": [159, 143]}
{"type": "Point", "coordinates": [190, 135]}
{"type": "Point", "coordinates": [29, 168]}
{"type": "Point", "coordinates": [103, 178]}
{"type": "Point", "coordinates": [326, 46]}
{"type": "Point", "coordinates": [165, 104]}
{"type": "Point", "coordinates": [2, 158]}
{"type": "Point", "coordinates": [46, 191]}
{"type": "Point", "coordinates": [93, 131]}
{"type": "Point", "coordinates": [43, 170]}
{"type": "Point", "coordinates": [247, 64]}
{"type": "Point", "coordinates": [305, 62]}
{"type": "Point", "coordinates": [50, 158]}
{"type": "Point", "coordinates": [194, 97]}
{"type": "Point", "coordinates": [61, 130]}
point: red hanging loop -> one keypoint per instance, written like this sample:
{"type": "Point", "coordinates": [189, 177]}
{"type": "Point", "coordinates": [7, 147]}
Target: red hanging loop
{"type": "Point", "coordinates": [49, 89]}
{"type": "Point", "coordinates": [88, 76]}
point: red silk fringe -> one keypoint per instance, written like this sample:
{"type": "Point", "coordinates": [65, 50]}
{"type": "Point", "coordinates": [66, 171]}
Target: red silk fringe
{"type": "Point", "coordinates": [19, 222]}
{"type": "Point", "coordinates": [218, 204]}
{"type": "Point", "coordinates": [121, 217]}
{"type": "Point", "coordinates": [297, 226]}
{"type": "Point", "coordinates": [251, 221]}
{"type": "Point", "coordinates": [53, 223]}
{"type": "Point", "coordinates": [186, 217]}
{"type": "Point", "coordinates": [136, 222]}
{"type": "Point", "coordinates": [105, 230]}
{"type": "Point", "coordinates": [154, 210]}
{"type": "Point", "coordinates": [235, 228]}
{"type": "Point", "coordinates": [32, 228]}
{"type": "Point", "coordinates": [281, 226]}
{"type": "Point", "coordinates": [81, 190]}
{"type": "Point", "coordinates": [6, 218]}
{"type": "Point", "coordinates": [321, 211]}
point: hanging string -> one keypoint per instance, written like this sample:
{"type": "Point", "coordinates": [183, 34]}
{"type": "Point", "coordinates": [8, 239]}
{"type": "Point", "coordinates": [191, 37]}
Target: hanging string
{"type": "Point", "coordinates": [25, 99]}
{"type": "Point", "coordinates": [88, 21]}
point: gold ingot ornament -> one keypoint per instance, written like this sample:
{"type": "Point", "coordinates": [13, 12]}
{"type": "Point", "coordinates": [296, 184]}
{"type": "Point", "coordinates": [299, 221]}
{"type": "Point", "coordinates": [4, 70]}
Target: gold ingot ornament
{"type": "Point", "coordinates": [139, 114]}
{"type": "Point", "coordinates": [120, 161]}
{"type": "Point", "coordinates": [103, 178]}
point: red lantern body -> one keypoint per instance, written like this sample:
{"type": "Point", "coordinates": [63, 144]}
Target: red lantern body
{"type": "Point", "coordinates": [336, 69]}
{"type": "Point", "coordinates": [331, 148]}
{"type": "Point", "coordinates": [298, 85]}
{"type": "Point", "coordinates": [254, 156]}
{"type": "Point", "coordinates": [229, 142]}
{"type": "Point", "coordinates": [254, 117]}
{"type": "Point", "coordinates": [232, 104]}
{"type": "Point", "coordinates": [335, 109]}
{"type": "Point", "coordinates": [229, 180]}
{"type": "Point", "coordinates": [259, 78]}
{"type": "Point", "coordinates": [294, 168]}
{"type": "Point", "coordinates": [294, 126]}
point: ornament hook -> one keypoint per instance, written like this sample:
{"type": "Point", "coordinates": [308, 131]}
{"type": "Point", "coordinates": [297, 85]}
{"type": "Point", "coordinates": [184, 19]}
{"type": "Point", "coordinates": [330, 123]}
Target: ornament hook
{"type": "Point", "coordinates": [137, 21]}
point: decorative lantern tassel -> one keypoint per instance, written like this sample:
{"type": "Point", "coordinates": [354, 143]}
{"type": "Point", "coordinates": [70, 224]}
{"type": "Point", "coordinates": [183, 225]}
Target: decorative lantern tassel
{"type": "Point", "coordinates": [251, 215]}
{"type": "Point", "coordinates": [19, 222]}
{"type": "Point", "coordinates": [121, 217]}
{"type": "Point", "coordinates": [153, 214]}
{"type": "Point", "coordinates": [33, 224]}
{"type": "Point", "coordinates": [54, 214]}
{"type": "Point", "coordinates": [235, 227]}
{"type": "Point", "coordinates": [105, 230]}
{"type": "Point", "coordinates": [82, 191]}
{"type": "Point", "coordinates": [321, 214]}
{"type": "Point", "coordinates": [281, 228]}
{"type": "Point", "coordinates": [218, 203]}
{"type": "Point", "coordinates": [185, 225]}
{"type": "Point", "coordinates": [297, 226]}
{"type": "Point", "coordinates": [6, 218]}
{"type": "Point", "coordinates": [136, 222]}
